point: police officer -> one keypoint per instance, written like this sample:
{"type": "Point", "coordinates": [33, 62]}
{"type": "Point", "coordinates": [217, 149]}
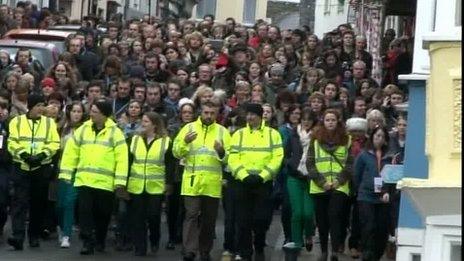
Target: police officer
{"type": "Point", "coordinates": [255, 157]}
{"type": "Point", "coordinates": [32, 143]}
{"type": "Point", "coordinates": [146, 183]}
{"type": "Point", "coordinates": [202, 145]}
{"type": "Point", "coordinates": [97, 155]}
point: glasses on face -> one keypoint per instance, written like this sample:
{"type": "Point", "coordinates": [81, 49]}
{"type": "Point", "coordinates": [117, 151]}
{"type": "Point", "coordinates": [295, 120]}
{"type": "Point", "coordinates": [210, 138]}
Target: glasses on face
{"type": "Point", "coordinates": [174, 89]}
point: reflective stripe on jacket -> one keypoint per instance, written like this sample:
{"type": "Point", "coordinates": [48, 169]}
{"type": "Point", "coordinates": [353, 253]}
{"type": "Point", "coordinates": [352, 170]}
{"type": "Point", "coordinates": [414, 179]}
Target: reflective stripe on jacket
{"type": "Point", "coordinates": [203, 167]}
{"type": "Point", "coordinates": [147, 172]}
{"type": "Point", "coordinates": [98, 160]}
{"type": "Point", "coordinates": [33, 137]}
{"type": "Point", "coordinates": [256, 152]}
{"type": "Point", "coordinates": [329, 167]}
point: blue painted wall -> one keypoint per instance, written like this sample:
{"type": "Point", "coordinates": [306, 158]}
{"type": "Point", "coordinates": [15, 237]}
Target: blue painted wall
{"type": "Point", "coordinates": [415, 161]}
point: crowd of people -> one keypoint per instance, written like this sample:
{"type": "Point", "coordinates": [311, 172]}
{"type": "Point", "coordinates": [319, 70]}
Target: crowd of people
{"type": "Point", "coordinates": [180, 117]}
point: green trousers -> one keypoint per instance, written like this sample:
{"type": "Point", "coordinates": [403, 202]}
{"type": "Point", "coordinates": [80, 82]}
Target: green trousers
{"type": "Point", "coordinates": [67, 195]}
{"type": "Point", "coordinates": [302, 207]}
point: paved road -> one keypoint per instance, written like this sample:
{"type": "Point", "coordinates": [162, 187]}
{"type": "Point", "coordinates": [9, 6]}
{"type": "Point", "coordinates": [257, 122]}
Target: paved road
{"type": "Point", "coordinates": [50, 250]}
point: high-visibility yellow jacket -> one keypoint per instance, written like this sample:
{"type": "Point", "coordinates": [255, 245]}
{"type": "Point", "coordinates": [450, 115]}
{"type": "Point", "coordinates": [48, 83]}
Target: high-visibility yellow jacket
{"type": "Point", "coordinates": [327, 166]}
{"type": "Point", "coordinates": [202, 165]}
{"type": "Point", "coordinates": [256, 152]}
{"type": "Point", "coordinates": [33, 137]}
{"type": "Point", "coordinates": [97, 160]}
{"type": "Point", "coordinates": [147, 172]}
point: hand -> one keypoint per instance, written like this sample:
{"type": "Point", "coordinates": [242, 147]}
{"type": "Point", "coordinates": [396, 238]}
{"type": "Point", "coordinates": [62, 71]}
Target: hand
{"type": "Point", "coordinates": [36, 160]}
{"type": "Point", "coordinates": [385, 198]}
{"type": "Point", "coordinates": [121, 193]}
{"type": "Point", "coordinates": [327, 186]}
{"type": "Point", "coordinates": [25, 156]}
{"type": "Point", "coordinates": [191, 136]}
{"type": "Point", "coordinates": [218, 147]}
{"type": "Point", "coordinates": [386, 102]}
{"type": "Point", "coordinates": [253, 180]}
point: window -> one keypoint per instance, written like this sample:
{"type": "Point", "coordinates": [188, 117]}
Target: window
{"type": "Point", "coordinates": [340, 6]}
{"type": "Point", "coordinates": [206, 7]}
{"type": "Point", "coordinates": [326, 6]}
{"type": "Point", "coordinates": [416, 257]}
{"type": "Point", "coordinates": [249, 11]}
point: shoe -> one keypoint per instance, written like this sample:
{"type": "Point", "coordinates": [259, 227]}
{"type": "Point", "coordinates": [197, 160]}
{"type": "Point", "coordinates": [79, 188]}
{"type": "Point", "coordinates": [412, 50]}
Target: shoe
{"type": "Point", "coordinates": [16, 243]}
{"type": "Point", "coordinates": [238, 257]}
{"type": "Point", "coordinates": [85, 251]}
{"type": "Point", "coordinates": [354, 253]}
{"type": "Point", "coordinates": [309, 244]}
{"type": "Point", "coordinates": [290, 245]}
{"type": "Point", "coordinates": [189, 256]}
{"type": "Point", "coordinates": [334, 257]}
{"type": "Point", "coordinates": [45, 234]}
{"type": "Point", "coordinates": [170, 245]}
{"type": "Point", "coordinates": [34, 242]}
{"type": "Point", "coordinates": [65, 242]}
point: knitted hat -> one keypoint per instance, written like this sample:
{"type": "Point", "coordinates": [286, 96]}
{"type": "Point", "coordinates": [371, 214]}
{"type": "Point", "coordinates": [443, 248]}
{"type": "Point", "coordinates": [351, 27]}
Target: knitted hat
{"type": "Point", "coordinates": [255, 108]}
{"type": "Point", "coordinates": [184, 101]}
{"type": "Point", "coordinates": [47, 81]}
{"type": "Point", "coordinates": [277, 69]}
{"type": "Point", "coordinates": [104, 107]}
{"type": "Point", "coordinates": [356, 124]}
{"type": "Point", "coordinates": [33, 99]}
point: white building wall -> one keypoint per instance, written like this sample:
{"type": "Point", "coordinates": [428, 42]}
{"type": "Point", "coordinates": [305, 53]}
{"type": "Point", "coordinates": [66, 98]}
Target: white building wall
{"type": "Point", "coordinates": [328, 15]}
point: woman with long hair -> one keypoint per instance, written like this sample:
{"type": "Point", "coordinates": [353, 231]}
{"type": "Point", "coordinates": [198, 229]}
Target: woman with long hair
{"type": "Point", "coordinates": [269, 115]}
{"type": "Point", "coordinates": [329, 167]}
{"type": "Point", "coordinates": [306, 85]}
{"type": "Point", "coordinates": [147, 181]}
{"type": "Point", "coordinates": [130, 121]}
{"type": "Point", "coordinates": [60, 71]}
{"type": "Point", "coordinates": [292, 149]}
{"type": "Point", "coordinates": [175, 211]}
{"type": "Point", "coordinates": [373, 196]}
{"type": "Point", "coordinates": [67, 193]}
{"type": "Point", "coordinates": [297, 182]}
{"type": "Point", "coordinates": [312, 48]}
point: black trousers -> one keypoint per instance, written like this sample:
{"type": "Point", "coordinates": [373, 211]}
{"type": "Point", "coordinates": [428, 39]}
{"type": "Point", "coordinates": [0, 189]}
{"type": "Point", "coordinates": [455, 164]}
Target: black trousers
{"type": "Point", "coordinates": [330, 210]}
{"type": "Point", "coordinates": [374, 223]}
{"type": "Point", "coordinates": [123, 227]}
{"type": "Point", "coordinates": [30, 195]}
{"type": "Point", "coordinates": [95, 208]}
{"type": "Point", "coordinates": [252, 215]}
{"type": "Point", "coordinates": [230, 216]}
{"type": "Point", "coordinates": [145, 210]}
{"type": "Point", "coordinates": [354, 240]}
{"type": "Point", "coordinates": [4, 195]}
{"type": "Point", "coordinates": [175, 214]}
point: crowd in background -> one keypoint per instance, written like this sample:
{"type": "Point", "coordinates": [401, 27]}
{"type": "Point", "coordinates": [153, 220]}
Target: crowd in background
{"type": "Point", "coordinates": [316, 92]}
